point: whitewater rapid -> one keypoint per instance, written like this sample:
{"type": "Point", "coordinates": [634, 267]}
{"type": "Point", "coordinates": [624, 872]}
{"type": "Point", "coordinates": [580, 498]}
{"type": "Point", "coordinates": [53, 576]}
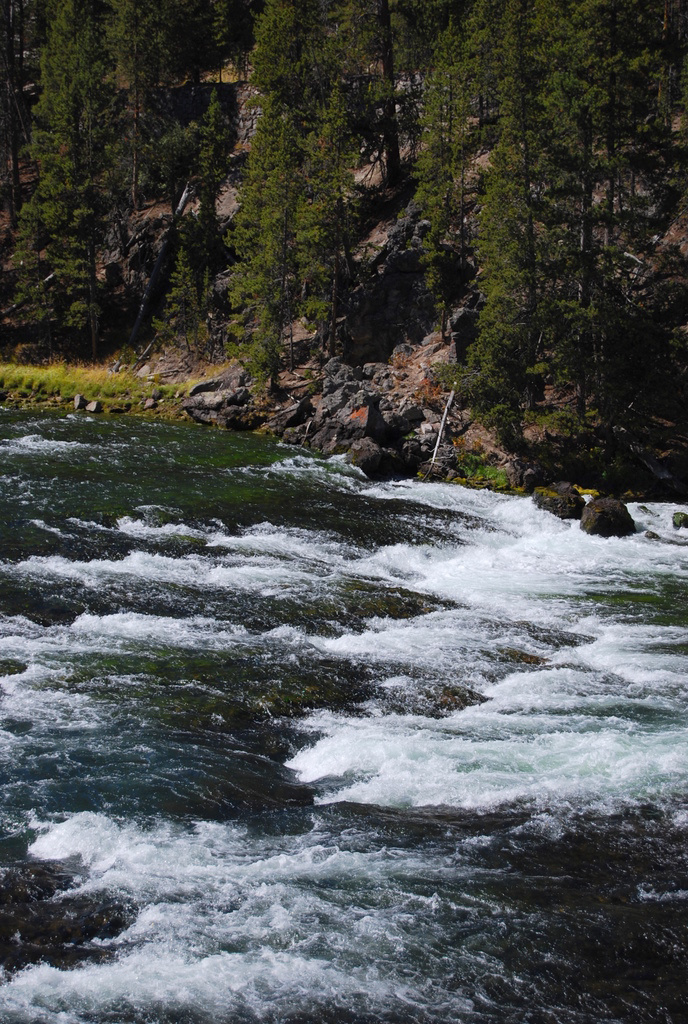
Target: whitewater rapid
{"type": "Point", "coordinates": [382, 855]}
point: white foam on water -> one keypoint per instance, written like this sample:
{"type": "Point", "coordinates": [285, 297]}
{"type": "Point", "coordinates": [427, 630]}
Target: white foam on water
{"type": "Point", "coordinates": [42, 525]}
{"type": "Point", "coordinates": [238, 924]}
{"type": "Point", "coordinates": [219, 987]}
{"type": "Point", "coordinates": [195, 572]}
{"type": "Point", "coordinates": [36, 444]}
{"type": "Point", "coordinates": [146, 531]}
{"type": "Point", "coordinates": [481, 760]}
{"type": "Point", "coordinates": [196, 633]}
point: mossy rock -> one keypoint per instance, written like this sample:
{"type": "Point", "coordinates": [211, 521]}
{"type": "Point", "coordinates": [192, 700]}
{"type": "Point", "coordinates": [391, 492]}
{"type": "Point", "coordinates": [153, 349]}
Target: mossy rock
{"type": "Point", "coordinates": [680, 520]}
{"type": "Point", "coordinates": [607, 517]}
{"type": "Point", "coordinates": [522, 657]}
{"type": "Point", "coordinates": [565, 503]}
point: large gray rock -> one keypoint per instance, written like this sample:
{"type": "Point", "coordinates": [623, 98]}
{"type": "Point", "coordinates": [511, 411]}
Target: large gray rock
{"type": "Point", "coordinates": [225, 401]}
{"type": "Point", "coordinates": [375, 461]}
{"type": "Point", "coordinates": [293, 416]}
{"type": "Point", "coordinates": [94, 407]}
{"type": "Point", "coordinates": [607, 517]}
{"type": "Point", "coordinates": [80, 402]}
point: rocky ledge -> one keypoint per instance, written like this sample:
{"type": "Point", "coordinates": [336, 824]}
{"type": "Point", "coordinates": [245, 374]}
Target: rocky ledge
{"type": "Point", "coordinates": [225, 401]}
{"type": "Point", "coordinates": [385, 417]}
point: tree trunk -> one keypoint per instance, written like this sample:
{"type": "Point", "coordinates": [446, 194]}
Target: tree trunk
{"type": "Point", "coordinates": [92, 308]}
{"type": "Point", "coordinates": [334, 309]}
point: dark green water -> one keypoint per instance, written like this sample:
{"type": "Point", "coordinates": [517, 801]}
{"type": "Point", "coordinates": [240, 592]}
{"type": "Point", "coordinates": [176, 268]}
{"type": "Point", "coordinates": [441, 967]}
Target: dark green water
{"type": "Point", "coordinates": [278, 744]}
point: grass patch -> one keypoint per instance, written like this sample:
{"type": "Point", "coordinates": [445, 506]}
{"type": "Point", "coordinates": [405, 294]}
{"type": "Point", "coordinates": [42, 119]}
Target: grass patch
{"type": "Point", "coordinates": [62, 381]}
{"type": "Point", "coordinates": [476, 472]}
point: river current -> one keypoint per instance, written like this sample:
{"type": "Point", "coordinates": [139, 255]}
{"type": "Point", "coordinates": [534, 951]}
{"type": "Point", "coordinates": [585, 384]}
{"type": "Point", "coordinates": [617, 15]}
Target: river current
{"type": "Point", "coordinates": [280, 744]}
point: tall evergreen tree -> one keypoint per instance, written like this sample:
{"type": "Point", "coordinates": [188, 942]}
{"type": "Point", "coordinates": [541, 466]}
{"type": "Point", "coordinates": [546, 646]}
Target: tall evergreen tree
{"type": "Point", "coordinates": [184, 315]}
{"type": "Point", "coordinates": [509, 337]}
{"type": "Point", "coordinates": [265, 282]}
{"type": "Point", "coordinates": [327, 214]}
{"type": "Point", "coordinates": [443, 167]}
{"type": "Point", "coordinates": [135, 39]}
{"type": "Point", "coordinates": [608, 136]}
{"type": "Point", "coordinates": [73, 149]}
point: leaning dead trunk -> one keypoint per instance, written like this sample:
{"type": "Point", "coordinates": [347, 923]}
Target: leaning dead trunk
{"type": "Point", "coordinates": [159, 263]}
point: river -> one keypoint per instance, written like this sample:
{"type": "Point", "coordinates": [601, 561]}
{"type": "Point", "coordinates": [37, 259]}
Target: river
{"type": "Point", "coordinates": [280, 744]}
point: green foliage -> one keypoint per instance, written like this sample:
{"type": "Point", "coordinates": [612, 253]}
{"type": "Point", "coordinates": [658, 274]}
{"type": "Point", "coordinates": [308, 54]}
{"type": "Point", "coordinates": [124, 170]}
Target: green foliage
{"type": "Point", "coordinates": [443, 166]}
{"type": "Point", "coordinates": [184, 316]}
{"type": "Point", "coordinates": [135, 38]}
{"type": "Point", "coordinates": [73, 147]}
{"type": "Point", "coordinates": [293, 229]}
{"type": "Point", "coordinates": [264, 237]}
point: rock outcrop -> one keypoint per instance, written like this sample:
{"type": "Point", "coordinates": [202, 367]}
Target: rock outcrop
{"type": "Point", "coordinates": [561, 499]}
{"type": "Point", "coordinates": [607, 517]}
{"type": "Point", "coordinates": [225, 401]}
{"type": "Point", "coordinates": [355, 416]}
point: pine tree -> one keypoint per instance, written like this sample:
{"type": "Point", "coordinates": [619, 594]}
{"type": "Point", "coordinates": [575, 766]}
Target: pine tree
{"type": "Point", "coordinates": [606, 174]}
{"type": "Point", "coordinates": [214, 150]}
{"type": "Point", "coordinates": [510, 333]}
{"type": "Point", "coordinates": [73, 149]}
{"type": "Point", "coordinates": [327, 214]}
{"type": "Point", "coordinates": [290, 231]}
{"type": "Point", "coordinates": [184, 314]}
{"type": "Point", "coordinates": [134, 36]}
{"type": "Point", "coordinates": [443, 167]}
{"type": "Point", "coordinates": [265, 282]}
{"type": "Point", "coordinates": [13, 115]}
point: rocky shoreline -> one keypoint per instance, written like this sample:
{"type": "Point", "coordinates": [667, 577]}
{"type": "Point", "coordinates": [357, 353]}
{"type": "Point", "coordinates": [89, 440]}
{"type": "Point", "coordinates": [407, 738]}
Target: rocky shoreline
{"type": "Point", "coordinates": [391, 420]}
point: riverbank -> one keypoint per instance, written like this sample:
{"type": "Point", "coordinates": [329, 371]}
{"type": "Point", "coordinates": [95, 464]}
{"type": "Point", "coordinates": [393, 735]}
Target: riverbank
{"type": "Point", "coordinates": [394, 419]}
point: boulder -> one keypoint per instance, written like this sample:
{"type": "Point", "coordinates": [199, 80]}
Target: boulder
{"type": "Point", "coordinates": [366, 454]}
{"type": "Point", "coordinates": [94, 407]}
{"type": "Point", "coordinates": [80, 402]}
{"type": "Point", "coordinates": [293, 416]}
{"type": "Point", "coordinates": [204, 386]}
{"type": "Point", "coordinates": [525, 475]}
{"type": "Point", "coordinates": [150, 403]}
{"type": "Point", "coordinates": [463, 325]}
{"type": "Point", "coordinates": [375, 461]}
{"type": "Point", "coordinates": [680, 520]}
{"type": "Point", "coordinates": [607, 517]}
{"type": "Point", "coordinates": [561, 499]}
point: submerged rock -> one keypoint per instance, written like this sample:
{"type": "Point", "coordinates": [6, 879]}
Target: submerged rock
{"type": "Point", "coordinates": [376, 461]}
{"type": "Point", "coordinates": [38, 927]}
{"type": "Point", "coordinates": [607, 517]}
